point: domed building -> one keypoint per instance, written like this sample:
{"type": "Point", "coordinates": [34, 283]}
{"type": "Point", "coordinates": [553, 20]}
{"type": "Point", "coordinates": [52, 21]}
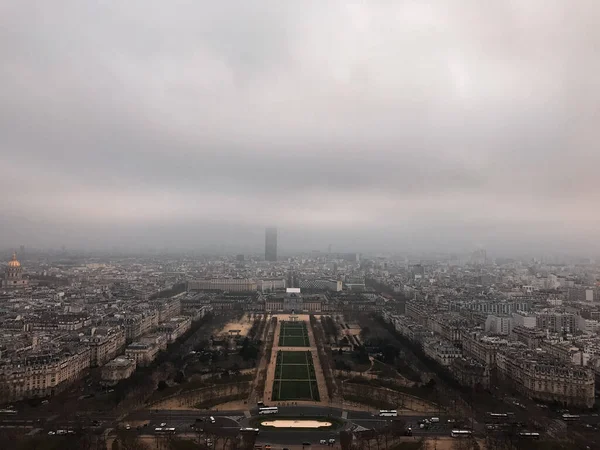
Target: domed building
{"type": "Point", "coordinates": [13, 275]}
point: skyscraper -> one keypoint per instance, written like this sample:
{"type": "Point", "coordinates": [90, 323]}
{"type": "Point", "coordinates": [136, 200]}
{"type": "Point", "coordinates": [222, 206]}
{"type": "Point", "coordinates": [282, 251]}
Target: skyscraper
{"type": "Point", "coordinates": [271, 244]}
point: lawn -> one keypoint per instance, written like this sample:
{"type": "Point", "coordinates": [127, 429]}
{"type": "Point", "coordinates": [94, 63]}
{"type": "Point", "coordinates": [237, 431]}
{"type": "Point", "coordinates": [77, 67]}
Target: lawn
{"type": "Point", "coordinates": [295, 390]}
{"type": "Point", "coordinates": [297, 372]}
{"type": "Point", "coordinates": [295, 377]}
{"type": "Point", "coordinates": [293, 341]}
{"type": "Point", "coordinates": [294, 357]}
{"type": "Point", "coordinates": [293, 334]}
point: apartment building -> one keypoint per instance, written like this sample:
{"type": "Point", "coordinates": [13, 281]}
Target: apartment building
{"type": "Point", "coordinates": [117, 369]}
{"type": "Point", "coordinates": [541, 377]}
{"type": "Point", "coordinates": [142, 354]}
{"type": "Point", "coordinates": [167, 309]}
{"type": "Point", "coordinates": [174, 328]}
{"type": "Point", "coordinates": [223, 284]}
{"type": "Point", "coordinates": [481, 347]}
{"type": "Point", "coordinates": [470, 372]}
{"type": "Point", "coordinates": [441, 351]}
{"type": "Point", "coordinates": [530, 337]}
{"type": "Point", "coordinates": [556, 321]}
{"type": "Point", "coordinates": [105, 343]}
{"type": "Point", "coordinates": [42, 375]}
{"type": "Point", "coordinates": [141, 323]}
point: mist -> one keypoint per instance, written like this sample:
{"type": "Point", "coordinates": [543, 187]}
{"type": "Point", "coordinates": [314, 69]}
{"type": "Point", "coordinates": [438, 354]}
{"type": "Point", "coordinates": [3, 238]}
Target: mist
{"type": "Point", "coordinates": [444, 125]}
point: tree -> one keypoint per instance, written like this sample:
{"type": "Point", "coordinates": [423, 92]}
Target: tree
{"type": "Point", "coordinates": [364, 332]}
{"type": "Point", "coordinates": [179, 377]}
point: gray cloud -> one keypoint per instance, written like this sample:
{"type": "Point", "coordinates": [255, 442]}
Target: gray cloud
{"type": "Point", "coordinates": [362, 124]}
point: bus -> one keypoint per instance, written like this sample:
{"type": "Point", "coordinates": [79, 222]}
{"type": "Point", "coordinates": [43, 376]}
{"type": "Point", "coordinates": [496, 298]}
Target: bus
{"type": "Point", "coordinates": [161, 430]}
{"type": "Point", "coordinates": [388, 413]}
{"type": "Point", "coordinates": [570, 417]}
{"type": "Point", "coordinates": [249, 430]}
{"type": "Point", "coordinates": [268, 410]}
{"type": "Point", "coordinates": [8, 411]}
{"type": "Point", "coordinates": [499, 416]}
{"type": "Point", "coordinates": [461, 433]}
{"type": "Point", "coordinates": [529, 435]}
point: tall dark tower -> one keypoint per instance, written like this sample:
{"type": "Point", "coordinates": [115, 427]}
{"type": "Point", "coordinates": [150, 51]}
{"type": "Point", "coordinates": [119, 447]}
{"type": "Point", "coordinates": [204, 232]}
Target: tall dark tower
{"type": "Point", "coordinates": [271, 244]}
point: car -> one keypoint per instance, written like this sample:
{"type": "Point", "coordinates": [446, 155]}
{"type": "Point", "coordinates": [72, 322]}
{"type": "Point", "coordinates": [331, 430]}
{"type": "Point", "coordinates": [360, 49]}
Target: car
{"type": "Point", "coordinates": [332, 441]}
{"type": "Point", "coordinates": [435, 420]}
{"type": "Point", "coordinates": [212, 419]}
{"type": "Point", "coordinates": [45, 402]}
{"type": "Point", "coordinates": [51, 433]}
{"type": "Point", "coordinates": [451, 420]}
{"type": "Point", "coordinates": [268, 447]}
{"type": "Point", "coordinates": [408, 432]}
{"type": "Point", "coordinates": [61, 432]}
{"type": "Point", "coordinates": [323, 442]}
{"type": "Point", "coordinates": [163, 424]}
{"type": "Point", "coordinates": [127, 426]}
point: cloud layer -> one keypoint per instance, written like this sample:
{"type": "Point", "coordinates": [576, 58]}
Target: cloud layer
{"type": "Point", "coordinates": [442, 124]}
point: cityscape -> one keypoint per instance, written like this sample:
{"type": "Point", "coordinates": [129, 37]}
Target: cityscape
{"type": "Point", "coordinates": [345, 350]}
{"type": "Point", "coordinates": [309, 225]}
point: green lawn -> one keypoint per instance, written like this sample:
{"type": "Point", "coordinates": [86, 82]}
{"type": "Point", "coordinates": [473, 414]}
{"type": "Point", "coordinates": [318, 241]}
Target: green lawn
{"type": "Point", "coordinates": [293, 334]}
{"type": "Point", "coordinates": [297, 372]}
{"type": "Point", "coordinates": [294, 357]}
{"type": "Point", "coordinates": [295, 377]}
{"type": "Point", "coordinates": [293, 341]}
{"type": "Point", "coordinates": [295, 390]}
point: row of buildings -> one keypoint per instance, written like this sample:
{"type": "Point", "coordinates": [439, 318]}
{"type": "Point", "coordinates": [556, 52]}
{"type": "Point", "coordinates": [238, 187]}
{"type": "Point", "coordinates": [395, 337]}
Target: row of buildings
{"type": "Point", "coordinates": [49, 339]}
{"type": "Point", "coordinates": [528, 359]}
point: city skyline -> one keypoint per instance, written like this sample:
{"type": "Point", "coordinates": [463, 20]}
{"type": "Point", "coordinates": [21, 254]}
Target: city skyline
{"type": "Point", "coordinates": [448, 126]}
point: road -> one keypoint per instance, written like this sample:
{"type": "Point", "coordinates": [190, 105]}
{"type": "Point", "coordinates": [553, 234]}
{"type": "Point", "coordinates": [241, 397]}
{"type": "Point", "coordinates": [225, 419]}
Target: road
{"type": "Point", "coordinates": [144, 421]}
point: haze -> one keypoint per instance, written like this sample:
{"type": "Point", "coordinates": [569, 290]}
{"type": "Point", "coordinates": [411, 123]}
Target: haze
{"type": "Point", "coordinates": [365, 125]}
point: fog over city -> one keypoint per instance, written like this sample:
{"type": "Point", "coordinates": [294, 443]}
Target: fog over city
{"type": "Point", "coordinates": [416, 125]}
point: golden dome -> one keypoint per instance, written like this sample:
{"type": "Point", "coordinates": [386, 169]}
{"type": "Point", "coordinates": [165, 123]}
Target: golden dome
{"type": "Point", "coordinates": [13, 262]}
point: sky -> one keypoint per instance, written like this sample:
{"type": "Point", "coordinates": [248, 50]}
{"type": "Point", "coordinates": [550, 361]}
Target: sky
{"type": "Point", "coordinates": [367, 125]}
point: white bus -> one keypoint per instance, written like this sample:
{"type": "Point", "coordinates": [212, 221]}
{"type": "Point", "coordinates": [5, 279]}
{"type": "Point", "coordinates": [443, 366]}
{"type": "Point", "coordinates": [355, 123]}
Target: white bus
{"type": "Point", "coordinates": [570, 417]}
{"type": "Point", "coordinates": [388, 413]}
{"type": "Point", "coordinates": [268, 410]}
{"type": "Point", "coordinates": [249, 430]}
{"type": "Point", "coordinates": [161, 430]}
{"type": "Point", "coordinates": [461, 433]}
{"type": "Point", "coordinates": [529, 435]}
{"type": "Point", "coordinates": [8, 411]}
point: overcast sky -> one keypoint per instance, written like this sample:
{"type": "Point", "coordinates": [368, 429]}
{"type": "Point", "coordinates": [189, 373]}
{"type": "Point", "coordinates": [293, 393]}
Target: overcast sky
{"type": "Point", "coordinates": [366, 125]}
